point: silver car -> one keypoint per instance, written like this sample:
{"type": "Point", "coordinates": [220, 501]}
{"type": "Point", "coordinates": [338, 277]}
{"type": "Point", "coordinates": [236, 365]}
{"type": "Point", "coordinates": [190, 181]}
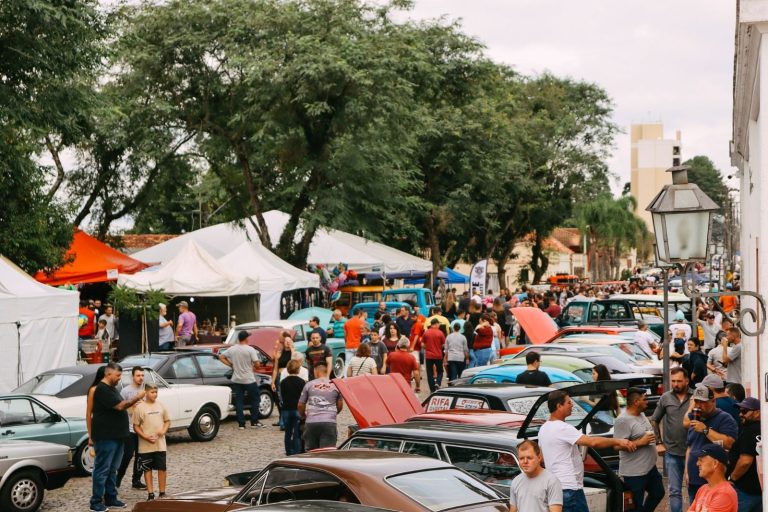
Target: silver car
{"type": "Point", "coordinates": [27, 469]}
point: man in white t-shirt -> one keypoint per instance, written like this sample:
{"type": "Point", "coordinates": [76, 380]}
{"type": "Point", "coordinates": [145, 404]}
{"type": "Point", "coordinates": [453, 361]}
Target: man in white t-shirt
{"type": "Point", "coordinates": [560, 443]}
{"type": "Point", "coordinates": [644, 339]}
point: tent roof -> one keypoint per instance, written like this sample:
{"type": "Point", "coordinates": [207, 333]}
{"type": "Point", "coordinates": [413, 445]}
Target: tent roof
{"type": "Point", "coordinates": [22, 298]}
{"type": "Point", "coordinates": [328, 247]}
{"type": "Point", "coordinates": [193, 271]}
{"type": "Point", "coordinates": [92, 260]}
{"type": "Point", "coordinates": [273, 274]}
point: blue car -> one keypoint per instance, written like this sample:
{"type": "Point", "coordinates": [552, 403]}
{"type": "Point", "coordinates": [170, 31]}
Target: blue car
{"type": "Point", "coordinates": [505, 374]}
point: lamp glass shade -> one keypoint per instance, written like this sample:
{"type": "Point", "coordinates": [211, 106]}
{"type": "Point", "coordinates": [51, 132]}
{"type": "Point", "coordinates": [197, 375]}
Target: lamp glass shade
{"type": "Point", "coordinates": [687, 235]}
{"type": "Point", "coordinates": [658, 233]}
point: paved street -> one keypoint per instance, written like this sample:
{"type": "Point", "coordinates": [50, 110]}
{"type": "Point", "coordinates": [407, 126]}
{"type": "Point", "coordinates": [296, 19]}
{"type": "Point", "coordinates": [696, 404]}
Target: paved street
{"type": "Point", "coordinates": [194, 465]}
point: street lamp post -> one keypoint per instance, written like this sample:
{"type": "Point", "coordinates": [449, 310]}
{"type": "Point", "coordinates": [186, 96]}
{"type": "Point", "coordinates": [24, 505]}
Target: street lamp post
{"type": "Point", "coordinates": [665, 266]}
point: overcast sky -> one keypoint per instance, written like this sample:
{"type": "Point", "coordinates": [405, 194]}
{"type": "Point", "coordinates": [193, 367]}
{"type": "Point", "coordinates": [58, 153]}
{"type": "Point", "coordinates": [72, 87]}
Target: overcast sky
{"type": "Point", "coordinates": [660, 60]}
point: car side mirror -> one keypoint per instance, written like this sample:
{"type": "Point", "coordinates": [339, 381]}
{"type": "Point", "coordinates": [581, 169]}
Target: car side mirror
{"type": "Point", "coordinates": [55, 418]}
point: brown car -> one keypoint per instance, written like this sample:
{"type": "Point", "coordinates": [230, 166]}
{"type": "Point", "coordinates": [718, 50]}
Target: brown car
{"type": "Point", "coordinates": [397, 481]}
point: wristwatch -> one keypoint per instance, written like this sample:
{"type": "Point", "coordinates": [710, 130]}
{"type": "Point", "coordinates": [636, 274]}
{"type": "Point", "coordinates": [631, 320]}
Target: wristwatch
{"type": "Point", "coordinates": [706, 431]}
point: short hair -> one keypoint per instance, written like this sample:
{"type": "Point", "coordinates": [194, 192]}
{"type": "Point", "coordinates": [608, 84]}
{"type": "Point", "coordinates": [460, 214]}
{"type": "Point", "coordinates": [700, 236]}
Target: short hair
{"type": "Point", "coordinates": [150, 386]}
{"type": "Point", "coordinates": [456, 327]}
{"type": "Point", "coordinates": [734, 330]}
{"type": "Point", "coordinates": [530, 444]}
{"type": "Point", "coordinates": [737, 390]}
{"type": "Point", "coordinates": [114, 366]}
{"type": "Point", "coordinates": [136, 369]}
{"type": "Point", "coordinates": [102, 321]}
{"type": "Point", "coordinates": [315, 319]}
{"type": "Point", "coordinates": [532, 356]}
{"type": "Point", "coordinates": [293, 367]}
{"type": "Point", "coordinates": [322, 365]}
{"type": "Point", "coordinates": [364, 350]}
{"type": "Point", "coordinates": [634, 394]}
{"type": "Point", "coordinates": [679, 369]}
{"type": "Point", "coordinates": [556, 398]}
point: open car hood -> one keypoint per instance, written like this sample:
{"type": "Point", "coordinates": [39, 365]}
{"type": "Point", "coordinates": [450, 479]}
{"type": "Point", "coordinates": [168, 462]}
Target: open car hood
{"type": "Point", "coordinates": [601, 388]}
{"type": "Point", "coordinates": [379, 399]}
{"type": "Point", "coordinates": [538, 326]}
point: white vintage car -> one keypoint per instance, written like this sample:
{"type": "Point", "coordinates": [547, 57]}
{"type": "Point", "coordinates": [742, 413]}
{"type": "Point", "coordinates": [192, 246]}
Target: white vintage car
{"type": "Point", "coordinates": [196, 408]}
{"type": "Point", "coordinates": [27, 469]}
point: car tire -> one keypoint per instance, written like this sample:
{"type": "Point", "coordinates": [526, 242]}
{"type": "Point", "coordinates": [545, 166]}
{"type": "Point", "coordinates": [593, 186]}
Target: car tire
{"type": "Point", "coordinates": [338, 367]}
{"type": "Point", "coordinates": [205, 426]}
{"type": "Point", "coordinates": [22, 492]}
{"type": "Point", "coordinates": [266, 403]}
{"type": "Point", "coordinates": [84, 460]}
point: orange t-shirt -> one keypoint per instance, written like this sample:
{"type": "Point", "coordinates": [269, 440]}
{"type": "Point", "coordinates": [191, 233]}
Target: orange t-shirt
{"type": "Point", "coordinates": [353, 332]}
{"type": "Point", "coordinates": [719, 498]}
{"type": "Point", "coordinates": [728, 303]}
{"type": "Point", "coordinates": [416, 331]}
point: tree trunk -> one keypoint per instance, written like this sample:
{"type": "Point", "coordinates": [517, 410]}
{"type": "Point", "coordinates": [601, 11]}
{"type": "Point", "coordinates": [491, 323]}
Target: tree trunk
{"type": "Point", "coordinates": [539, 260]}
{"type": "Point", "coordinates": [501, 263]}
{"type": "Point", "coordinates": [253, 194]}
{"type": "Point", "coordinates": [434, 247]}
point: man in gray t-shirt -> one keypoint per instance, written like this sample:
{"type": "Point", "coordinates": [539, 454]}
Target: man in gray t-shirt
{"type": "Point", "coordinates": [320, 402]}
{"type": "Point", "coordinates": [535, 489]}
{"type": "Point", "coordinates": [732, 355]}
{"type": "Point", "coordinates": [639, 467]}
{"type": "Point", "coordinates": [456, 352]}
{"type": "Point", "coordinates": [244, 360]}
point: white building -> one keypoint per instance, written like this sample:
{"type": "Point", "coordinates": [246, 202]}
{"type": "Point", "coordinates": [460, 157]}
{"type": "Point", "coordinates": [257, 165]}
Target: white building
{"type": "Point", "coordinates": [750, 140]}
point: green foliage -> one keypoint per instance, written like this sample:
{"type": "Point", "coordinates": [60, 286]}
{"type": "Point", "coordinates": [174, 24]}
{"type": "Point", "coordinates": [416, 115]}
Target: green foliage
{"type": "Point", "coordinates": [132, 304]}
{"type": "Point", "coordinates": [704, 173]}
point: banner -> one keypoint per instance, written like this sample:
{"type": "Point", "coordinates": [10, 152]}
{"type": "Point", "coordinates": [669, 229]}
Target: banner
{"type": "Point", "coordinates": [478, 278]}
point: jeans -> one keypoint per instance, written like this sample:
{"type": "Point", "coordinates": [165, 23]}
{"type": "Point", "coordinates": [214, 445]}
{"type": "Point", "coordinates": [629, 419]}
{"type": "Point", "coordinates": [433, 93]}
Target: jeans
{"type": "Point", "coordinates": [675, 467]}
{"type": "Point", "coordinates": [433, 380]}
{"type": "Point", "coordinates": [348, 355]}
{"type": "Point", "coordinates": [319, 435]}
{"type": "Point", "coordinates": [749, 502]}
{"type": "Point", "coordinates": [650, 483]}
{"type": "Point", "coordinates": [292, 424]}
{"type": "Point", "coordinates": [253, 394]}
{"type": "Point", "coordinates": [168, 345]}
{"type": "Point", "coordinates": [454, 369]}
{"type": "Point", "coordinates": [130, 450]}
{"type": "Point", "coordinates": [483, 356]}
{"type": "Point", "coordinates": [472, 359]}
{"type": "Point", "coordinates": [692, 490]}
{"type": "Point", "coordinates": [109, 454]}
{"type": "Point", "coordinates": [574, 500]}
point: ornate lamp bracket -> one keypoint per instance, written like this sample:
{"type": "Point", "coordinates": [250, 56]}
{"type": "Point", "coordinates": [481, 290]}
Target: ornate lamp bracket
{"type": "Point", "coordinates": [690, 291]}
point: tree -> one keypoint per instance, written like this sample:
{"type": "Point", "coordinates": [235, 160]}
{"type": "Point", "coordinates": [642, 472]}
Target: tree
{"type": "Point", "coordinates": [49, 53]}
{"type": "Point", "coordinates": [295, 105]}
{"type": "Point", "coordinates": [704, 173]}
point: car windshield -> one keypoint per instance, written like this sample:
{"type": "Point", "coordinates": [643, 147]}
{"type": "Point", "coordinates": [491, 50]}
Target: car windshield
{"type": "Point", "coordinates": [48, 384]}
{"type": "Point", "coordinates": [524, 406]}
{"type": "Point", "coordinates": [442, 489]}
{"type": "Point", "coordinates": [151, 361]}
{"type": "Point", "coordinates": [584, 374]}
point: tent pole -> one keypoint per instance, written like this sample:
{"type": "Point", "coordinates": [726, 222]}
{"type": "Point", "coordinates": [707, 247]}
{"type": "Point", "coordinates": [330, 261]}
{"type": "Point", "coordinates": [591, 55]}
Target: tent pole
{"type": "Point", "coordinates": [229, 316]}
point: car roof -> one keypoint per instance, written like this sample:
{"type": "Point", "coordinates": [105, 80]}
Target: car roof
{"type": "Point", "coordinates": [588, 340]}
{"type": "Point", "coordinates": [282, 324]}
{"type": "Point", "coordinates": [480, 435]}
{"type": "Point", "coordinates": [503, 391]}
{"type": "Point", "coordinates": [375, 464]}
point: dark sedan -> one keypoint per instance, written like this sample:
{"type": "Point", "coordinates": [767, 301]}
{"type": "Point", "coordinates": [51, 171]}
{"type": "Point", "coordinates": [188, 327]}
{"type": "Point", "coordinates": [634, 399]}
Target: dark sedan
{"type": "Point", "coordinates": [200, 368]}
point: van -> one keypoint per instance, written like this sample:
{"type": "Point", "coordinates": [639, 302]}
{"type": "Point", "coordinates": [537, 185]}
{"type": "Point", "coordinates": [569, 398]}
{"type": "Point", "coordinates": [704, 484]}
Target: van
{"type": "Point", "coordinates": [348, 296]}
{"type": "Point", "coordinates": [563, 279]}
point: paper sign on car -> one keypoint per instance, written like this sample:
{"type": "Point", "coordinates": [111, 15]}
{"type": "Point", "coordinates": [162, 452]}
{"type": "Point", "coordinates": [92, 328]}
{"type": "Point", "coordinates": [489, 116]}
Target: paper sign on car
{"type": "Point", "coordinates": [470, 403]}
{"type": "Point", "coordinates": [439, 403]}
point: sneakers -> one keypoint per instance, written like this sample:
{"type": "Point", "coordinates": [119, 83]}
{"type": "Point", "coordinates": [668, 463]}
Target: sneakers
{"type": "Point", "coordinates": [277, 424]}
{"type": "Point", "coordinates": [258, 425]}
{"type": "Point", "coordinates": [241, 427]}
{"type": "Point", "coordinates": [151, 496]}
{"type": "Point", "coordinates": [138, 485]}
{"type": "Point", "coordinates": [99, 507]}
{"type": "Point", "coordinates": [116, 504]}
{"type": "Point", "coordinates": [161, 495]}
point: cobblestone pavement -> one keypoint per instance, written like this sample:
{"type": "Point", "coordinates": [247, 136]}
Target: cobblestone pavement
{"type": "Point", "coordinates": [193, 465]}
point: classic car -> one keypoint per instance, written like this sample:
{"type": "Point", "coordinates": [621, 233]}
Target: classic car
{"type": "Point", "coordinates": [636, 365]}
{"type": "Point", "coordinates": [374, 478]}
{"type": "Point", "coordinates": [488, 452]}
{"type": "Point", "coordinates": [26, 417]}
{"type": "Point", "coordinates": [312, 505]}
{"type": "Point", "coordinates": [28, 469]}
{"type": "Point", "coordinates": [201, 368]}
{"type": "Point", "coordinates": [507, 373]}
{"type": "Point", "coordinates": [198, 409]}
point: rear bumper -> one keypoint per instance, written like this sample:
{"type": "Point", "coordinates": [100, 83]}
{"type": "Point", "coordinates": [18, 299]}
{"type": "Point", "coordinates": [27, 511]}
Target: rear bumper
{"type": "Point", "coordinates": [56, 478]}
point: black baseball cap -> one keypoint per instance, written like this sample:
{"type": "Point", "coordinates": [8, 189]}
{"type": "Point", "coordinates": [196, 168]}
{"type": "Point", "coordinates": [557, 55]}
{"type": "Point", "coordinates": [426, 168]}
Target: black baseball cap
{"type": "Point", "coordinates": [715, 451]}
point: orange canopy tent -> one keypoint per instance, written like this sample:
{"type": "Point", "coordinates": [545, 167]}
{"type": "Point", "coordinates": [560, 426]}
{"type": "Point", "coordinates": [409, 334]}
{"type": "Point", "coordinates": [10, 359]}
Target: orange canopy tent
{"type": "Point", "coordinates": [92, 262]}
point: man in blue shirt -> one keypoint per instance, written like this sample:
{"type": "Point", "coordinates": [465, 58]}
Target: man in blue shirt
{"type": "Point", "coordinates": [711, 426]}
{"type": "Point", "coordinates": [723, 400]}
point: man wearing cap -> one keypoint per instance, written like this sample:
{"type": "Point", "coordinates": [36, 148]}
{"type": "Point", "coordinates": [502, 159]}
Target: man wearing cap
{"type": "Point", "coordinates": [723, 400]}
{"type": "Point", "coordinates": [710, 328]}
{"type": "Point", "coordinates": [713, 425]}
{"type": "Point", "coordinates": [680, 324]}
{"type": "Point", "coordinates": [186, 328]}
{"type": "Point", "coordinates": [742, 469]}
{"type": "Point", "coordinates": [434, 342]}
{"type": "Point", "coordinates": [717, 495]}
{"type": "Point", "coordinates": [671, 440]}
{"type": "Point", "coordinates": [638, 468]}
{"type": "Point", "coordinates": [402, 361]}
{"type": "Point", "coordinates": [244, 360]}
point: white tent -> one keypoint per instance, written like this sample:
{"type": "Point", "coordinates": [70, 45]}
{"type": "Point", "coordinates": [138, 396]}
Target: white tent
{"type": "Point", "coordinates": [275, 276]}
{"type": "Point", "coordinates": [192, 271]}
{"type": "Point", "coordinates": [38, 326]}
{"type": "Point", "coordinates": [328, 247]}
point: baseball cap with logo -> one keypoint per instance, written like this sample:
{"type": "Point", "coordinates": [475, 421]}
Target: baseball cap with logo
{"type": "Point", "coordinates": [715, 451]}
{"type": "Point", "coordinates": [703, 393]}
{"type": "Point", "coordinates": [713, 381]}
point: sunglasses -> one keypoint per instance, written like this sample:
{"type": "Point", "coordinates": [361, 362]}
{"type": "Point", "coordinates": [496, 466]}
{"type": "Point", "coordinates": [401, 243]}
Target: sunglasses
{"type": "Point", "coordinates": [745, 411]}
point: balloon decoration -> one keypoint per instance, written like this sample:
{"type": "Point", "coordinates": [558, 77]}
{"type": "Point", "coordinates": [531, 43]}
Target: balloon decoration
{"type": "Point", "coordinates": [331, 279]}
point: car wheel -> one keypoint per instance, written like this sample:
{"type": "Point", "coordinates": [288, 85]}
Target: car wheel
{"type": "Point", "coordinates": [84, 459]}
{"type": "Point", "coordinates": [205, 426]}
{"type": "Point", "coordinates": [338, 367]}
{"type": "Point", "coordinates": [266, 403]}
{"type": "Point", "coordinates": [22, 492]}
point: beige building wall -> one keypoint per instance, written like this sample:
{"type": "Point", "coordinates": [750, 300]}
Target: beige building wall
{"type": "Point", "coordinates": [651, 155]}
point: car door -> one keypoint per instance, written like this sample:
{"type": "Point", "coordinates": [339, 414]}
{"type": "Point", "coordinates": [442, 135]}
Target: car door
{"type": "Point", "coordinates": [184, 370]}
{"type": "Point", "coordinates": [212, 371]}
{"type": "Point", "coordinates": [23, 418]}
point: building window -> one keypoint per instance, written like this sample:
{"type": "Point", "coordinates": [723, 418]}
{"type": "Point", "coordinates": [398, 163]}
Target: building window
{"type": "Point", "coordinates": [675, 162]}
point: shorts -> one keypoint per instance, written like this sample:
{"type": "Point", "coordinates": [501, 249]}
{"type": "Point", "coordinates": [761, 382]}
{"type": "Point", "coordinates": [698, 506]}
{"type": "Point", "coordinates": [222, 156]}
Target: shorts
{"type": "Point", "coordinates": [151, 461]}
